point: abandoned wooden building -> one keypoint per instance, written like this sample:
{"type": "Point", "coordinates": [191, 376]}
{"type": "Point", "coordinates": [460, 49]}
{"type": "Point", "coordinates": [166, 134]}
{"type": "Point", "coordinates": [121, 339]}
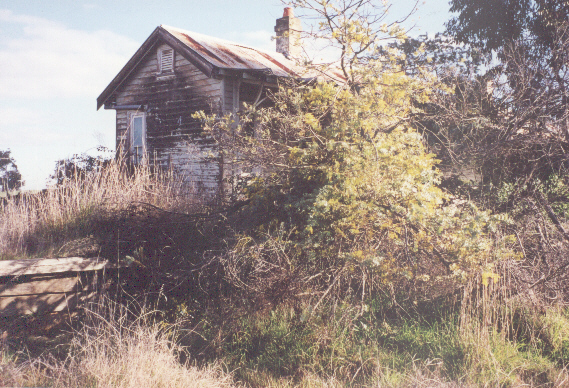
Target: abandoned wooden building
{"type": "Point", "coordinates": [176, 73]}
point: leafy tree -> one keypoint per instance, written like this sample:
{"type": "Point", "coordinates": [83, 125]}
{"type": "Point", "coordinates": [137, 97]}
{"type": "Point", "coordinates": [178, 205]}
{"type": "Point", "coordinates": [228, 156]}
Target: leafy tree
{"type": "Point", "coordinates": [10, 177]}
{"type": "Point", "coordinates": [347, 182]}
{"type": "Point", "coordinates": [531, 39]}
{"type": "Point", "coordinates": [525, 133]}
{"type": "Point", "coordinates": [79, 165]}
{"type": "Point", "coordinates": [493, 24]}
{"type": "Point", "coordinates": [518, 135]}
{"type": "Point", "coordinates": [355, 28]}
{"type": "Point", "coordinates": [449, 118]}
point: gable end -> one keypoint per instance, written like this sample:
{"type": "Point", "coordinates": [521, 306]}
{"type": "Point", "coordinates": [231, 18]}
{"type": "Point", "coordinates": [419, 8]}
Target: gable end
{"type": "Point", "coordinates": [159, 36]}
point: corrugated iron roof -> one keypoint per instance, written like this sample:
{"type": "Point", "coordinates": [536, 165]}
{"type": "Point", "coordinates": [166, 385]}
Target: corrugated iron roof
{"type": "Point", "coordinates": [212, 54]}
{"type": "Point", "coordinates": [228, 55]}
{"type": "Point", "coordinates": [232, 56]}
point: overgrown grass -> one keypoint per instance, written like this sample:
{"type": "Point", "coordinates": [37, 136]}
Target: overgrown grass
{"type": "Point", "coordinates": [278, 348]}
{"type": "Point", "coordinates": [340, 345]}
{"type": "Point", "coordinates": [271, 331]}
{"type": "Point", "coordinates": [347, 345]}
{"type": "Point", "coordinates": [82, 216]}
{"type": "Point", "coordinates": [114, 350]}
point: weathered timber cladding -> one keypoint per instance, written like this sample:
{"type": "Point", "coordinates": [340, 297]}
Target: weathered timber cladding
{"type": "Point", "coordinates": [174, 139]}
{"type": "Point", "coordinates": [229, 94]}
{"type": "Point", "coordinates": [207, 74]}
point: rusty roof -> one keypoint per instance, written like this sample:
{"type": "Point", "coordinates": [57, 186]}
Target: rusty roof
{"type": "Point", "coordinates": [211, 54]}
{"type": "Point", "coordinates": [228, 55]}
{"type": "Point", "coordinates": [232, 56]}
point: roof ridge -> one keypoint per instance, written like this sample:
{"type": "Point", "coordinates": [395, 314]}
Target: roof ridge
{"type": "Point", "coordinates": [182, 30]}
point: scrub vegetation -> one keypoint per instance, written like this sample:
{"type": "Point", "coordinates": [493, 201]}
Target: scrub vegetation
{"type": "Point", "coordinates": [404, 228]}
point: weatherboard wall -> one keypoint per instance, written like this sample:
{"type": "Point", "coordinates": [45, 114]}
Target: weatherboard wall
{"type": "Point", "coordinates": [174, 139]}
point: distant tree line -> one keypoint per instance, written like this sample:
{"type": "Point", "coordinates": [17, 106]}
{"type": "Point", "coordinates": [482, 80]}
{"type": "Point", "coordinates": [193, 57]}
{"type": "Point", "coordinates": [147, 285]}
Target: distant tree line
{"type": "Point", "coordinates": [10, 177]}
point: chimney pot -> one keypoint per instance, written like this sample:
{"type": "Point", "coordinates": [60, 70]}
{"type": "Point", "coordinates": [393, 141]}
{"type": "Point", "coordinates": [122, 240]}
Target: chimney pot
{"type": "Point", "coordinates": [288, 11]}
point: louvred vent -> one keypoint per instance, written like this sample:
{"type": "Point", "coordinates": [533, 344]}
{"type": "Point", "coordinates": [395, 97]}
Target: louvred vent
{"type": "Point", "coordinates": [167, 61]}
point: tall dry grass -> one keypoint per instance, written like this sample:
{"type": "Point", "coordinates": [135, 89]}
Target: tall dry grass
{"type": "Point", "coordinates": [35, 225]}
{"type": "Point", "coordinates": [115, 350]}
{"type": "Point", "coordinates": [511, 338]}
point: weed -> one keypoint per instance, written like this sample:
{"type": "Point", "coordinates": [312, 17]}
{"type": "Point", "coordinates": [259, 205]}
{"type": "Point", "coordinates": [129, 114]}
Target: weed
{"type": "Point", "coordinates": [90, 211]}
{"type": "Point", "coordinates": [115, 350]}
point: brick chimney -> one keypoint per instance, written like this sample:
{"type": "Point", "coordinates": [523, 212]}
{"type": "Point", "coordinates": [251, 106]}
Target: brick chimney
{"type": "Point", "coordinates": [288, 31]}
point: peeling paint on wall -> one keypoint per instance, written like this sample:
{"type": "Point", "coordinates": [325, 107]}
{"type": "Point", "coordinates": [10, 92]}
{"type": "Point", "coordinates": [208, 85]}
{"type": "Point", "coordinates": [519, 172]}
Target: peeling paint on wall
{"type": "Point", "coordinates": [174, 139]}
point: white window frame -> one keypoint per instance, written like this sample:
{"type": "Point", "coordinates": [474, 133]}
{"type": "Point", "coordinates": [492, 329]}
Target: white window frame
{"type": "Point", "coordinates": [138, 156]}
{"type": "Point", "coordinates": [161, 51]}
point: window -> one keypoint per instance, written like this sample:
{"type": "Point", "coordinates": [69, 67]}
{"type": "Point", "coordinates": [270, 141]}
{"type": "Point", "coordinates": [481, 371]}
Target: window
{"type": "Point", "coordinates": [165, 60]}
{"type": "Point", "coordinates": [138, 137]}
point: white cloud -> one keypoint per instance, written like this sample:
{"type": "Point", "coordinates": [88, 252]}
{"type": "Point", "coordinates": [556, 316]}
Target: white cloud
{"type": "Point", "coordinates": [50, 77]}
{"type": "Point", "coordinates": [24, 125]}
{"type": "Point", "coordinates": [40, 58]}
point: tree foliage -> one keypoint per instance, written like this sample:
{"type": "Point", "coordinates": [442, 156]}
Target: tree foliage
{"type": "Point", "coordinates": [344, 178]}
{"type": "Point", "coordinates": [533, 56]}
{"type": "Point", "coordinates": [356, 28]}
{"type": "Point", "coordinates": [505, 131]}
{"type": "Point", "coordinates": [10, 177]}
{"type": "Point", "coordinates": [79, 165]}
{"type": "Point", "coordinates": [522, 128]}
{"type": "Point", "coordinates": [492, 24]}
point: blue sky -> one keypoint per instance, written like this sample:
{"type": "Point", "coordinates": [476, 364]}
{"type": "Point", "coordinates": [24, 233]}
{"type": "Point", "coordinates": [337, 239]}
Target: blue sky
{"type": "Point", "coordinates": [57, 56]}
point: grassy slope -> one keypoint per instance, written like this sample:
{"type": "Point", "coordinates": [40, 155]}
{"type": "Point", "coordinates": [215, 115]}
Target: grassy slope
{"type": "Point", "coordinates": [387, 341]}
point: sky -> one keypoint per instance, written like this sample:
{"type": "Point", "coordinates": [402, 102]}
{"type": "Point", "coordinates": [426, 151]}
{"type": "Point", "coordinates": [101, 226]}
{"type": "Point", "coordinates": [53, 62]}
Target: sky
{"type": "Point", "coordinates": [57, 56]}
